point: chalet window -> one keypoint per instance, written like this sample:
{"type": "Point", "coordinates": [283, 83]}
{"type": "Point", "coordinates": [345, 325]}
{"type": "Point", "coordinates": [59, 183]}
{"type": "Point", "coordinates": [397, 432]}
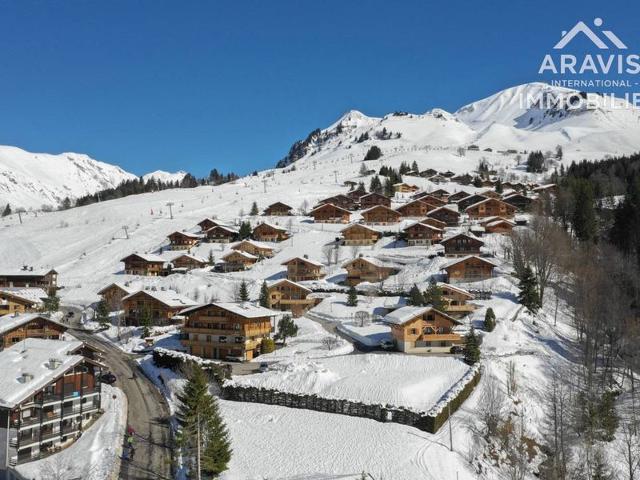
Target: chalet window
{"type": "Point", "coordinates": [430, 317]}
{"type": "Point", "coordinates": [236, 326]}
{"type": "Point", "coordinates": [239, 340]}
{"type": "Point", "coordinates": [413, 331]}
{"type": "Point", "coordinates": [208, 338]}
{"type": "Point", "coordinates": [222, 339]}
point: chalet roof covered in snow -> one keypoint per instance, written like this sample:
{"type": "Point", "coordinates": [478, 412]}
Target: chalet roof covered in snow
{"type": "Point", "coordinates": [147, 257]}
{"type": "Point", "coordinates": [305, 260]}
{"type": "Point", "coordinates": [243, 309]}
{"type": "Point", "coordinates": [242, 253]}
{"type": "Point", "coordinates": [289, 282]}
{"type": "Point", "coordinates": [122, 286]}
{"type": "Point", "coordinates": [14, 320]}
{"type": "Point", "coordinates": [271, 225]}
{"type": "Point", "coordinates": [408, 313]}
{"type": "Point", "coordinates": [464, 259]}
{"type": "Point", "coordinates": [167, 297]}
{"type": "Point", "coordinates": [27, 367]}
{"type": "Point", "coordinates": [30, 294]}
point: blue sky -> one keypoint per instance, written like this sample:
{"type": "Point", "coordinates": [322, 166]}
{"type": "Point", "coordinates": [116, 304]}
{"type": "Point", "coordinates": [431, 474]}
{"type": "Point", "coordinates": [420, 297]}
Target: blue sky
{"type": "Point", "coordinates": [195, 85]}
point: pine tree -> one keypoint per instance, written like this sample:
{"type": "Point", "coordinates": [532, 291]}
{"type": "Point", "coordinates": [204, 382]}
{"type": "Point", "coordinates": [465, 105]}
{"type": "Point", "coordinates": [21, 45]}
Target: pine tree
{"type": "Point", "coordinates": [51, 303]}
{"type": "Point", "coordinates": [286, 329]}
{"type": "Point", "coordinates": [202, 435]}
{"type": "Point", "coordinates": [529, 296]}
{"type": "Point", "coordinates": [363, 170]}
{"type": "Point", "coordinates": [388, 187]}
{"type": "Point", "coordinates": [352, 298]}
{"type": "Point", "coordinates": [498, 187]}
{"type": "Point", "coordinates": [264, 295]}
{"type": "Point", "coordinates": [102, 313]}
{"type": "Point", "coordinates": [245, 230]}
{"type": "Point", "coordinates": [6, 211]}
{"type": "Point", "coordinates": [584, 216]}
{"type": "Point", "coordinates": [471, 348]}
{"type": "Point", "coordinates": [267, 345]}
{"type": "Point", "coordinates": [211, 259]}
{"type": "Point", "coordinates": [433, 296]}
{"type": "Point", "coordinates": [145, 321]}
{"type": "Point", "coordinates": [414, 167]}
{"type": "Point", "coordinates": [415, 296]}
{"type": "Point", "coordinates": [374, 153]}
{"type": "Point", "coordinates": [244, 292]}
{"type": "Point", "coordinates": [489, 320]}
{"type": "Point", "coordinates": [254, 209]}
{"type": "Point", "coordinates": [376, 185]}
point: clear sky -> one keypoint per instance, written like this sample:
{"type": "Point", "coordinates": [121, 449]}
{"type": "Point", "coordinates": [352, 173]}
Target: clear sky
{"type": "Point", "coordinates": [194, 85]}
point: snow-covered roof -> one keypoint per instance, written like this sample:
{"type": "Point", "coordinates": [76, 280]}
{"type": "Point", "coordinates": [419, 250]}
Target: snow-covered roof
{"type": "Point", "coordinates": [453, 287]}
{"type": "Point", "coordinates": [304, 259]}
{"type": "Point", "coordinates": [30, 294]}
{"type": "Point", "coordinates": [275, 227]}
{"type": "Point", "coordinates": [27, 367]}
{"type": "Point", "coordinates": [498, 221]}
{"type": "Point", "coordinates": [461, 235]}
{"type": "Point", "coordinates": [13, 320]}
{"type": "Point", "coordinates": [378, 207]}
{"type": "Point", "coordinates": [260, 245]}
{"type": "Point", "coordinates": [186, 234]}
{"type": "Point", "coordinates": [290, 282]}
{"type": "Point", "coordinates": [326, 205]}
{"type": "Point", "coordinates": [120, 285]}
{"type": "Point", "coordinates": [188, 255]}
{"type": "Point", "coordinates": [464, 259]}
{"type": "Point", "coordinates": [373, 261]}
{"type": "Point", "coordinates": [167, 297]}
{"type": "Point", "coordinates": [448, 207]}
{"type": "Point", "coordinates": [243, 309]}
{"type": "Point", "coordinates": [242, 253]}
{"type": "Point", "coordinates": [147, 257]}
{"type": "Point", "coordinates": [404, 314]}
{"type": "Point", "coordinates": [359, 225]}
{"type": "Point", "coordinates": [223, 227]}
{"type": "Point", "coordinates": [484, 201]}
{"type": "Point", "coordinates": [431, 227]}
{"type": "Point", "coordinates": [19, 272]}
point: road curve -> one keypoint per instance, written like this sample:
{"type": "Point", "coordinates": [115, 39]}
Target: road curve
{"type": "Point", "coordinates": [148, 414]}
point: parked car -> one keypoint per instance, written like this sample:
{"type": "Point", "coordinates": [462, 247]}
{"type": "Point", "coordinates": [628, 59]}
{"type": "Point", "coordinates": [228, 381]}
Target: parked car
{"type": "Point", "coordinates": [108, 378]}
{"type": "Point", "coordinates": [387, 345]}
{"type": "Point", "coordinates": [457, 349]}
{"type": "Point", "coordinates": [234, 359]}
{"type": "Point", "coordinates": [263, 367]}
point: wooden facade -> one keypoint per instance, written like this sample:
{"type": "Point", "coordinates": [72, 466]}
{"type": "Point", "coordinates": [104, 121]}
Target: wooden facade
{"type": "Point", "coordinates": [278, 209]}
{"type": "Point", "coordinates": [421, 234]}
{"type": "Point", "coordinates": [364, 269]}
{"type": "Point", "coordinates": [359, 234]}
{"type": "Point", "coordinates": [285, 295]}
{"type": "Point", "coordinates": [446, 215]}
{"type": "Point", "coordinates": [423, 330]}
{"type": "Point", "coordinates": [457, 300]}
{"type": "Point", "coordinates": [461, 245]}
{"type": "Point", "coordinates": [381, 215]}
{"type": "Point", "coordinates": [159, 307]}
{"type": "Point", "coordinates": [183, 240]}
{"type": "Point", "coordinates": [148, 265]}
{"type": "Point", "coordinates": [491, 207]}
{"type": "Point", "coordinates": [470, 200]}
{"type": "Point", "coordinates": [21, 300]}
{"type": "Point", "coordinates": [340, 200]}
{"type": "Point", "coordinates": [372, 199]}
{"type": "Point", "coordinates": [456, 197]}
{"type": "Point", "coordinates": [208, 224]}
{"type": "Point", "coordinates": [300, 269]}
{"type": "Point", "coordinates": [226, 331]}
{"type": "Point", "coordinates": [520, 201]}
{"type": "Point", "coordinates": [188, 262]}
{"type": "Point", "coordinates": [469, 269]}
{"type": "Point", "coordinates": [265, 232]}
{"type": "Point", "coordinates": [415, 209]}
{"type": "Point", "coordinates": [330, 213]}
{"type": "Point", "coordinates": [221, 234]}
{"type": "Point", "coordinates": [434, 222]}
{"type": "Point", "coordinates": [405, 188]}
{"type": "Point", "coordinates": [237, 260]}
{"type": "Point", "coordinates": [428, 198]}
{"type": "Point", "coordinates": [254, 248]}
{"type": "Point", "coordinates": [27, 277]}
{"type": "Point", "coordinates": [498, 225]}
{"type": "Point", "coordinates": [114, 293]}
{"type": "Point", "coordinates": [15, 328]}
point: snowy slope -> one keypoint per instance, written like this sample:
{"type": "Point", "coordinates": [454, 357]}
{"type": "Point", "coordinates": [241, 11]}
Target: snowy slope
{"type": "Point", "coordinates": [31, 180]}
{"type": "Point", "coordinates": [163, 176]}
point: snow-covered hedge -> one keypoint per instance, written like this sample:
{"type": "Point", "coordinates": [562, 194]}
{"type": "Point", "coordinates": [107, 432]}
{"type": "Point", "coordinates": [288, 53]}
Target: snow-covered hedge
{"type": "Point", "coordinates": [173, 360]}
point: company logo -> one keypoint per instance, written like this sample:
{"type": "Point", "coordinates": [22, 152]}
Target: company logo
{"type": "Point", "coordinates": [581, 27]}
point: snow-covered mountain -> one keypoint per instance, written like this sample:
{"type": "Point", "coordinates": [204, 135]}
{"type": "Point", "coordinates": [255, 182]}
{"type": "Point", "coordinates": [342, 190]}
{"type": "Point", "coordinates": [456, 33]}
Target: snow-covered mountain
{"type": "Point", "coordinates": [530, 116]}
{"type": "Point", "coordinates": [31, 180]}
{"type": "Point", "coordinates": [162, 176]}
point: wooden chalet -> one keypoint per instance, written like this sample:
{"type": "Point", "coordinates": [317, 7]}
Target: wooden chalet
{"type": "Point", "coordinates": [21, 300]}
{"type": "Point", "coordinates": [254, 248]}
{"type": "Point", "coordinates": [356, 194]}
{"type": "Point", "coordinates": [428, 198]}
{"type": "Point", "coordinates": [461, 245]}
{"type": "Point", "coordinates": [28, 277]}
{"type": "Point", "coordinates": [158, 307]}
{"type": "Point", "coordinates": [359, 234]}
{"type": "Point", "coordinates": [51, 393]}
{"type": "Point", "coordinates": [520, 201]}
{"type": "Point", "coordinates": [457, 300]}
{"type": "Point", "coordinates": [183, 240]}
{"type": "Point", "coordinates": [438, 179]}
{"type": "Point", "coordinates": [188, 262]}
{"type": "Point", "coordinates": [421, 234]}
{"type": "Point", "coordinates": [285, 295]}
{"type": "Point", "coordinates": [221, 234]}
{"type": "Point", "coordinates": [237, 260]}
{"type": "Point", "coordinates": [469, 269]}
{"type": "Point", "coordinates": [208, 224]}
{"type": "Point", "coordinates": [441, 194]}
{"type": "Point", "coordinates": [303, 268]}
{"type": "Point", "coordinates": [278, 209]}
{"type": "Point", "coordinates": [113, 294]}
{"type": "Point", "coordinates": [226, 330]}
{"type": "Point", "coordinates": [266, 232]}
{"type": "Point", "coordinates": [145, 264]}
{"type": "Point", "coordinates": [423, 330]}
{"type": "Point", "coordinates": [446, 215]}
{"type": "Point", "coordinates": [381, 215]}
{"type": "Point", "coordinates": [491, 207]}
{"type": "Point", "coordinates": [456, 197]}
{"type": "Point", "coordinates": [434, 222]}
{"type": "Point", "coordinates": [499, 225]}
{"type": "Point", "coordinates": [470, 200]}
{"type": "Point", "coordinates": [373, 199]}
{"type": "Point", "coordinates": [448, 174]}
{"type": "Point", "coordinates": [551, 188]}
{"type": "Point", "coordinates": [415, 209]}
{"type": "Point", "coordinates": [330, 213]}
{"type": "Point", "coordinates": [17, 327]}
{"type": "Point", "coordinates": [491, 194]}
{"type": "Point", "coordinates": [429, 172]}
{"type": "Point", "coordinates": [404, 188]}
{"type": "Point", "coordinates": [367, 269]}
{"type": "Point", "coordinates": [340, 200]}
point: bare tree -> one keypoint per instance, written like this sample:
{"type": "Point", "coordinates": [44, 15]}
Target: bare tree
{"type": "Point", "coordinates": [512, 381]}
{"type": "Point", "coordinates": [492, 408]}
{"type": "Point", "coordinates": [327, 252]}
{"type": "Point", "coordinates": [330, 342]}
{"type": "Point", "coordinates": [629, 449]}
